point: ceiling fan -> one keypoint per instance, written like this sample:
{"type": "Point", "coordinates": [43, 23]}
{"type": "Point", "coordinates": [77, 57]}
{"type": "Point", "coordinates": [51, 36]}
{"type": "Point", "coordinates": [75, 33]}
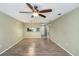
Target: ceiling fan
{"type": "Point", "coordinates": [35, 11]}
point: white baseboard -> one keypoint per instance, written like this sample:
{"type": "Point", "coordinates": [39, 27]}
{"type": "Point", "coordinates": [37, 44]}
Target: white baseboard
{"type": "Point", "coordinates": [62, 47]}
{"type": "Point", "coordinates": [10, 46]}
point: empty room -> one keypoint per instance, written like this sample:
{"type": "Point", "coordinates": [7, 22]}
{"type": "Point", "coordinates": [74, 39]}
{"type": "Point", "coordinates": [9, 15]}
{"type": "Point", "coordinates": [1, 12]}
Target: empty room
{"type": "Point", "coordinates": [39, 29]}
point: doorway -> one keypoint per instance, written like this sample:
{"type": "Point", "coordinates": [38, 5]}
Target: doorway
{"type": "Point", "coordinates": [44, 31]}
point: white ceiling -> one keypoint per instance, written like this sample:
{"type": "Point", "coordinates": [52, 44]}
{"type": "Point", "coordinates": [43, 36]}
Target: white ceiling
{"type": "Point", "coordinates": [12, 9]}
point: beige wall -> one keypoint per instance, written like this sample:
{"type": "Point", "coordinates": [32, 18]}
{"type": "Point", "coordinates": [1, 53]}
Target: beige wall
{"type": "Point", "coordinates": [11, 31]}
{"type": "Point", "coordinates": [32, 34]}
{"type": "Point", "coordinates": [65, 31]}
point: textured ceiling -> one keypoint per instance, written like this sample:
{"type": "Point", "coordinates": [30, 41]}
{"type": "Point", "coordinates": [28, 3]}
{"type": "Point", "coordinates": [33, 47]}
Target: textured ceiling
{"type": "Point", "coordinates": [12, 9]}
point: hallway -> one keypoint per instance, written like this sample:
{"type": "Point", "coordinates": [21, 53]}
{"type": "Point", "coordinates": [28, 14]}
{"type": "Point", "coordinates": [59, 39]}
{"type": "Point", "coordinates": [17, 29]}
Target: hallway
{"type": "Point", "coordinates": [35, 47]}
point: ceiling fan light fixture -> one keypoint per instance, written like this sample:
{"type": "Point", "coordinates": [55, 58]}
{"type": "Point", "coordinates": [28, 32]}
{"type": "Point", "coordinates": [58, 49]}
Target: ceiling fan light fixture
{"type": "Point", "coordinates": [35, 14]}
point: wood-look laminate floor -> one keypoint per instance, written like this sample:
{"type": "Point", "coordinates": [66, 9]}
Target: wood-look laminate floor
{"type": "Point", "coordinates": [35, 47]}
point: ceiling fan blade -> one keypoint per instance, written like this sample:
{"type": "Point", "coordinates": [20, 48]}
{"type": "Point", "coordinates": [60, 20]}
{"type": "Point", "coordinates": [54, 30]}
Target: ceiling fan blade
{"type": "Point", "coordinates": [30, 6]}
{"type": "Point", "coordinates": [46, 10]}
{"type": "Point", "coordinates": [24, 12]}
{"type": "Point", "coordinates": [42, 15]}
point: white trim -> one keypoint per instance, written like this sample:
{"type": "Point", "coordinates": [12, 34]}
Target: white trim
{"type": "Point", "coordinates": [10, 46]}
{"type": "Point", "coordinates": [62, 47]}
